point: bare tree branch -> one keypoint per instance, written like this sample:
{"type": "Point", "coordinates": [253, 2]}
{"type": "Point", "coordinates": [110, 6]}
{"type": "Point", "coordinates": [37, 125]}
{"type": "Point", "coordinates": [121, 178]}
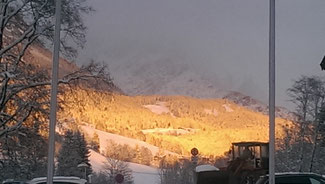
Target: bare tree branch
{"type": "Point", "coordinates": [24, 88]}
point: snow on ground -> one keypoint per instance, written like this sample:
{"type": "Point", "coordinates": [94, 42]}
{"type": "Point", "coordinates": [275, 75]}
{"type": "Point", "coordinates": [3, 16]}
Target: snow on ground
{"type": "Point", "coordinates": [158, 108]}
{"type": "Point", "coordinates": [104, 138]}
{"type": "Point", "coordinates": [170, 131]}
{"type": "Point", "coordinates": [202, 168]}
{"type": "Point", "coordinates": [227, 108]}
{"type": "Point", "coordinates": [212, 112]}
{"type": "Point", "coordinates": [142, 174]}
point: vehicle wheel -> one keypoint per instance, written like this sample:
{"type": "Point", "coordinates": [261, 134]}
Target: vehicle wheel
{"type": "Point", "coordinates": [247, 178]}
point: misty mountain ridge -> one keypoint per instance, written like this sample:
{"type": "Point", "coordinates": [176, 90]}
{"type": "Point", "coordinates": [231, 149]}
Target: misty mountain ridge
{"type": "Point", "coordinates": [168, 76]}
{"type": "Point", "coordinates": [163, 76]}
{"type": "Point", "coordinates": [258, 106]}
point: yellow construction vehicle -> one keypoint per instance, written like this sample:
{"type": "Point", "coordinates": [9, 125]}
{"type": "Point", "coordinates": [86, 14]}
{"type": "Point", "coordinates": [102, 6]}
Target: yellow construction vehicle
{"type": "Point", "coordinates": [248, 161]}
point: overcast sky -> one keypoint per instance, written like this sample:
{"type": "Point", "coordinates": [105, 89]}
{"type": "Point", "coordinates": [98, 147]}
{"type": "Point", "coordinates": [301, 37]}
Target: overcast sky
{"type": "Point", "coordinates": [228, 38]}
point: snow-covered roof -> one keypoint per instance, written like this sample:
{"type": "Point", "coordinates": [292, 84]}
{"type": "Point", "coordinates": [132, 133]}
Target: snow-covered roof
{"type": "Point", "coordinates": [69, 179]}
{"type": "Point", "coordinates": [297, 173]}
{"type": "Point", "coordinates": [293, 173]}
{"type": "Point", "coordinates": [203, 168]}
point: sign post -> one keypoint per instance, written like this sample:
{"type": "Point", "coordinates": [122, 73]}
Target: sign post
{"type": "Point", "coordinates": [194, 158]}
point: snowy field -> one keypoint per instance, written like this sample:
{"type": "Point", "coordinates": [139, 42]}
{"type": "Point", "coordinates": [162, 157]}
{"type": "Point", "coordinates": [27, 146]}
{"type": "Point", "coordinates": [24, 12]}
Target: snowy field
{"type": "Point", "coordinates": [142, 174]}
{"type": "Point", "coordinates": [158, 108]}
{"type": "Point", "coordinates": [105, 137]}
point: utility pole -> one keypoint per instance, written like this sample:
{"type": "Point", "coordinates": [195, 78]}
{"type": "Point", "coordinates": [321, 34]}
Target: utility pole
{"type": "Point", "coordinates": [54, 91]}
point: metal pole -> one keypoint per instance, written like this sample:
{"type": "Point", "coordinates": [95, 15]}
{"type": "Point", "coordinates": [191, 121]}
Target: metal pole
{"type": "Point", "coordinates": [54, 91]}
{"type": "Point", "coordinates": [272, 93]}
{"type": "Point", "coordinates": [85, 173]}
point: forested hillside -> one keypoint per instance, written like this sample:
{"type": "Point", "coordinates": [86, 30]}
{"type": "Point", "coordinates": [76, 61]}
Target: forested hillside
{"type": "Point", "coordinates": [174, 123]}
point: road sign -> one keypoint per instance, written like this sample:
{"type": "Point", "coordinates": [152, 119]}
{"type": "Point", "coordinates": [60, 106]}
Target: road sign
{"type": "Point", "coordinates": [119, 178]}
{"type": "Point", "coordinates": [194, 151]}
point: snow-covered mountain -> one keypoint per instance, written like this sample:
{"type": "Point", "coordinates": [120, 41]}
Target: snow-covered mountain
{"type": "Point", "coordinates": [158, 75]}
{"type": "Point", "coordinates": [163, 76]}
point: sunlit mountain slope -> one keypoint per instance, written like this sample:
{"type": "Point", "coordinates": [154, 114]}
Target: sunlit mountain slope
{"type": "Point", "coordinates": [171, 75]}
{"type": "Point", "coordinates": [105, 137]}
{"type": "Point", "coordinates": [208, 124]}
{"type": "Point", "coordinates": [174, 123]}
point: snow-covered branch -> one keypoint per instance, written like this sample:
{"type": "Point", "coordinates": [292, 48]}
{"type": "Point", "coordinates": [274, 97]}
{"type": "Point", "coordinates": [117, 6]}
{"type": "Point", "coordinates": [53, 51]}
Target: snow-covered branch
{"type": "Point", "coordinates": [18, 124]}
{"type": "Point", "coordinates": [32, 92]}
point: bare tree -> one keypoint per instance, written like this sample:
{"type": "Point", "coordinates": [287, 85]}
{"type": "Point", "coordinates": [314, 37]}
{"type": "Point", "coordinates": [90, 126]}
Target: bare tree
{"type": "Point", "coordinates": [100, 178]}
{"type": "Point", "coordinates": [318, 137]}
{"type": "Point", "coordinates": [24, 88]}
{"type": "Point", "coordinates": [113, 167]}
{"type": "Point", "coordinates": [308, 94]}
{"type": "Point", "coordinates": [25, 95]}
{"type": "Point", "coordinates": [24, 21]}
{"type": "Point", "coordinates": [176, 172]}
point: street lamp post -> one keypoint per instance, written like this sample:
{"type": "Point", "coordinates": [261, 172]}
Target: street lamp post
{"type": "Point", "coordinates": [84, 165]}
{"type": "Point", "coordinates": [54, 91]}
{"type": "Point", "coordinates": [272, 93]}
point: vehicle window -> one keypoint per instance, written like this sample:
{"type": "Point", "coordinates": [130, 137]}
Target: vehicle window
{"type": "Point", "coordinates": [314, 181]}
{"type": "Point", "coordinates": [293, 180]}
{"type": "Point", "coordinates": [62, 182]}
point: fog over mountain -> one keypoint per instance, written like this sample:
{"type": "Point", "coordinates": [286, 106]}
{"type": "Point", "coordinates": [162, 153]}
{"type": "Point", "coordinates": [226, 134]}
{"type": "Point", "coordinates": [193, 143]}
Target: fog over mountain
{"type": "Point", "coordinates": [166, 75]}
{"type": "Point", "coordinates": [170, 75]}
{"type": "Point", "coordinates": [203, 48]}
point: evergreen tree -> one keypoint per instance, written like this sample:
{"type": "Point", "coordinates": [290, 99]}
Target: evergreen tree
{"type": "Point", "coordinates": [68, 157]}
{"type": "Point", "coordinates": [83, 150]}
{"type": "Point", "coordinates": [74, 151]}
